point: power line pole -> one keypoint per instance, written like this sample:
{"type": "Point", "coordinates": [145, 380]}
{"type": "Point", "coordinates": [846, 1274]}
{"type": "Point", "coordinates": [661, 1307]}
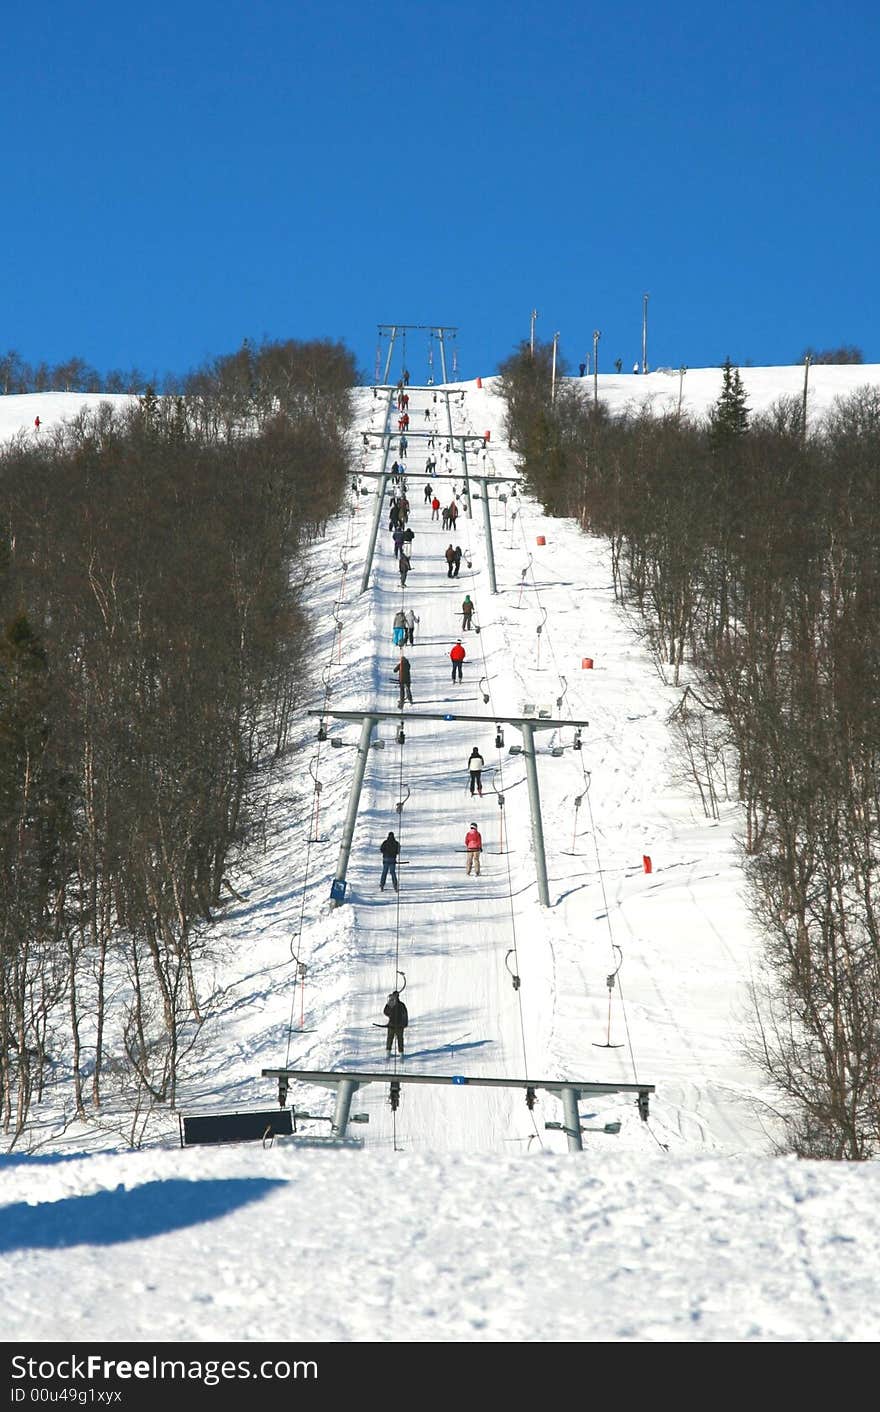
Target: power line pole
{"type": "Point", "coordinates": [804, 413]}
{"type": "Point", "coordinates": [644, 333]}
{"type": "Point", "coordinates": [553, 376]}
{"type": "Point", "coordinates": [596, 336]}
{"type": "Point", "coordinates": [532, 331]}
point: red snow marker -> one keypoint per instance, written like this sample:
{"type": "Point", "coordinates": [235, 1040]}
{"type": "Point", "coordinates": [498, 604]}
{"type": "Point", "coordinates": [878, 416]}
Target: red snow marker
{"type": "Point", "coordinates": [646, 863]}
{"type": "Point", "coordinates": [540, 539]}
{"type": "Point", "coordinates": [586, 662]}
{"type": "Point", "coordinates": [479, 382]}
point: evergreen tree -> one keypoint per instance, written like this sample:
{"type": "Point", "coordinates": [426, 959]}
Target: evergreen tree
{"type": "Point", "coordinates": [729, 418]}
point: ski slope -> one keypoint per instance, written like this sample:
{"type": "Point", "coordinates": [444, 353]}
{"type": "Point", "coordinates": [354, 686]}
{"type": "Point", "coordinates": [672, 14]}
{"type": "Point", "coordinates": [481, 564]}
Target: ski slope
{"type": "Point", "coordinates": [294, 983]}
{"type": "Point", "coordinates": [678, 1007]}
{"type": "Point", "coordinates": [444, 1228]}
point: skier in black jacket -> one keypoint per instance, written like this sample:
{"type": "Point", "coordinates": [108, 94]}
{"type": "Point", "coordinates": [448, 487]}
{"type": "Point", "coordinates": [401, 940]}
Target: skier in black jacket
{"type": "Point", "coordinates": [390, 850]}
{"type": "Point", "coordinates": [398, 1019]}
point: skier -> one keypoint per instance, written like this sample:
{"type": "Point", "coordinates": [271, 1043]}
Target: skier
{"type": "Point", "coordinates": [390, 851]}
{"type": "Point", "coordinates": [408, 537]}
{"type": "Point", "coordinates": [456, 558]}
{"type": "Point", "coordinates": [450, 560]}
{"type": "Point", "coordinates": [457, 655]}
{"type": "Point", "coordinates": [467, 610]}
{"type": "Point", "coordinates": [474, 844]}
{"type": "Point", "coordinates": [428, 493]}
{"type": "Point", "coordinates": [398, 541]}
{"type": "Point", "coordinates": [453, 514]}
{"type": "Point", "coordinates": [411, 620]}
{"type": "Point", "coordinates": [398, 1019]}
{"type": "Point", "coordinates": [435, 509]}
{"type": "Point", "coordinates": [406, 377]}
{"type": "Point", "coordinates": [475, 766]}
{"type": "Point", "coordinates": [399, 628]}
{"type": "Point", "coordinates": [404, 677]}
{"type": "Point", "coordinates": [405, 564]}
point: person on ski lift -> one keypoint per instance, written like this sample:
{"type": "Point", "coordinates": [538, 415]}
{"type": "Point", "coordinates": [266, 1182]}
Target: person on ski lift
{"type": "Point", "coordinates": [403, 672]}
{"type": "Point", "coordinates": [475, 766]}
{"type": "Point", "coordinates": [457, 656]}
{"type": "Point", "coordinates": [473, 842]}
{"type": "Point", "coordinates": [398, 1019]}
{"type": "Point", "coordinates": [390, 850]}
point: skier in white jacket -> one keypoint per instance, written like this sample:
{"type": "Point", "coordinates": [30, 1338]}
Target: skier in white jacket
{"type": "Point", "coordinates": [475, 766]}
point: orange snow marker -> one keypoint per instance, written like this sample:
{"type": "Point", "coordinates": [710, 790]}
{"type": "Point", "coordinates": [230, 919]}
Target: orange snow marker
{"type": "Point", "coordinates": [586, 662]}
{"type": "Point", "coordinates": [486, 436]}
{"type": "Point", "coordinates": [479, 382]}
{"type": "Point", "coordinates": [646, 863]}
{"type": "Point", "coordinates": [540, 539]}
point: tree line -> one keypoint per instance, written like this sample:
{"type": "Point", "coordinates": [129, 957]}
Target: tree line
{"type": "Point", "coordinates": [152, 650]}
{"type": "Point", "coordinates": [750, 550]}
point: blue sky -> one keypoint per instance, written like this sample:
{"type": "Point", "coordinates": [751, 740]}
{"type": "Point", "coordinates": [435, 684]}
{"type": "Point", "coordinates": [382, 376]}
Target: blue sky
{"type": "Point", "coordinates": [186, 175]}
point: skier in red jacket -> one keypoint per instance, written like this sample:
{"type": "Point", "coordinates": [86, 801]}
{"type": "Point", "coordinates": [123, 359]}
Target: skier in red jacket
{"type": "Point", "coordinates": [457, 655]}
{"type": "Point", "coordinates": [474, 844]}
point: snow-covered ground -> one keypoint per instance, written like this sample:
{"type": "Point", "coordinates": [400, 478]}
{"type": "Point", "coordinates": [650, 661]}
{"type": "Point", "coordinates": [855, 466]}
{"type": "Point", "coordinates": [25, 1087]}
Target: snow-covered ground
{"type": "Point", "coordinates": [462, 1218]}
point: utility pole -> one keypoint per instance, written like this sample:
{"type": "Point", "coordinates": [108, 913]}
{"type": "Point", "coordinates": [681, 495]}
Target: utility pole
{"type": "Point", "coordinates": [553, 376]}
{"type": "Point", "coordinates": [804, 413]}
{"type": "Point", "coordinates": [596, 336]}
{"type": "Point", "coordinates": [532, 332]}
{"type": "Point", "coordinates": [681, 372]}
{"type": "Point", "coordinates": [644, 333]}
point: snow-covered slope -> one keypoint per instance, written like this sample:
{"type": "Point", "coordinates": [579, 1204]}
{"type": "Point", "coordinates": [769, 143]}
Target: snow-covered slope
{"type": "Point", "coordinates": [463, 1218]}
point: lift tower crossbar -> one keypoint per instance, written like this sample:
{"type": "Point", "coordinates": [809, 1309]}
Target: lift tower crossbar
{"type": "Point", "coordinates": [346, 1082]}
{"type": "Point", "coordinates": [438, 331]}
{"type": "Point", "coordinates": [484, 481]}
{"type": "Point", "coordinates": [527, 725]}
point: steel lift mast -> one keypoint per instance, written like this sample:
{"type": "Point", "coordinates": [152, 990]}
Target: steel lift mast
{"type": "Point", "coordinates": [527, 725]}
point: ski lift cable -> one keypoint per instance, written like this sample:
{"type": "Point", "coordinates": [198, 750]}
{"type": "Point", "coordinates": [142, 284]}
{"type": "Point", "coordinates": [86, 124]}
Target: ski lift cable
{"type": "Point", "coordinates": [314, 767]}
{"type": "Point", "coordinates": [564, 688]}
{"type": "Point", "coordinates": [499, 770]}
{"type": "Point", "coordinates": [529, 569]}
{"type": "Point", "coordinates": [614, 946]}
